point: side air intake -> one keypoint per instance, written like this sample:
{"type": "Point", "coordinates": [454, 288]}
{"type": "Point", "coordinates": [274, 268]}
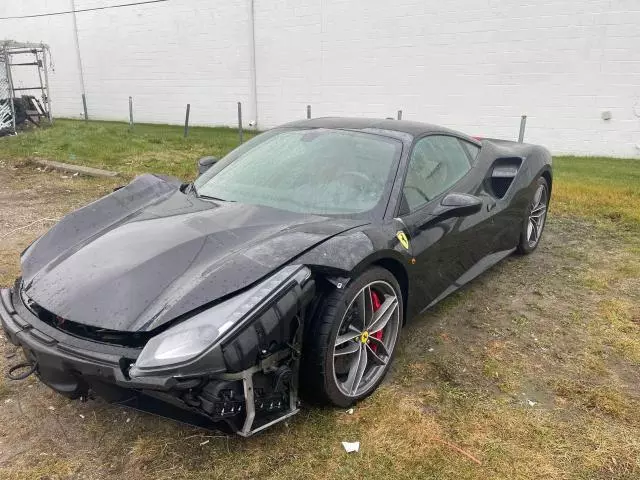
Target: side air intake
{"type": "Point", "coordinates": [503, 171]}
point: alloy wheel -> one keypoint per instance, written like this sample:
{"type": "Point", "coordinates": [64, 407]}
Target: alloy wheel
{"type": "Point", "coordinates": [537, 216]}
{"type": "Point", "coordinates": [366, 338]}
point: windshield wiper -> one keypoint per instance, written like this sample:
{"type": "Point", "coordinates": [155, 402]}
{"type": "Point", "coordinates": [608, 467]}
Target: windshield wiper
{"type": "Point", "coordinates": [191, 187]}
{"type": "Point", "coordinates": [209, 197]}
{"type": "Point", "coordinates": [187, 187]}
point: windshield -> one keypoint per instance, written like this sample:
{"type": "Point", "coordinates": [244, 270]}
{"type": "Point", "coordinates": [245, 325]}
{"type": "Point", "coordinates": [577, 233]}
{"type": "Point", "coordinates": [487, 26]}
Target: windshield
{"type": "Point", "coordinates": [319, 171]}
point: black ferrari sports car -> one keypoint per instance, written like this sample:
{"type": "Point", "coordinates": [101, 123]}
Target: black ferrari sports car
{"type": "Point", "coordinates": [290, 265]}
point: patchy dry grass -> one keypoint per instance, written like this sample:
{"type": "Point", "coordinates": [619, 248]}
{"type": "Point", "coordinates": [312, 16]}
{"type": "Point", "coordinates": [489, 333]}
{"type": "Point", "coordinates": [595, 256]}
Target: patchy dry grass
{"type": "Point", "coordinates": [533, 369]}
{"type": "Point", "coordinates": [605, 190]}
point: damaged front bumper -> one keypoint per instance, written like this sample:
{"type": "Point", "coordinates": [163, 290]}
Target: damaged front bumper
{"type": "Point", "coordinates": [248, 384]}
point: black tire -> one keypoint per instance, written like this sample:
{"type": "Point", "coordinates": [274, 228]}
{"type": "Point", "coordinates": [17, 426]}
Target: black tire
{"type": "Point", "coordinates": [526, 244]}
{"type": "Point", "coordinates": [319, 382]}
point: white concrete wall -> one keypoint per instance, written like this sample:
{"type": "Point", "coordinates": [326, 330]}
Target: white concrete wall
{"type": "Point", "coordinates": [166, 55]}
{"type": "Point", "coordinates": [474, 65]}
{"type": "Point", "coordinates": [468, 64]}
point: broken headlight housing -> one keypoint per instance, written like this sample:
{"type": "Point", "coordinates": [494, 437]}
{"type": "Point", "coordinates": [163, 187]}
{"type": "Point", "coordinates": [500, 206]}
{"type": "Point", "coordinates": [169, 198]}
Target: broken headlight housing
{"type": "Point", "coordinates": [197, 345]}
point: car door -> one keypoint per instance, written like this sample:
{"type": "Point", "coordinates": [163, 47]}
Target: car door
{"type": "Point", "coordinates": [443, 248]}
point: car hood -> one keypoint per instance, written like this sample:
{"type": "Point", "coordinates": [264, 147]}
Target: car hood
{"type": "Point", "coordinates": [148, 253]}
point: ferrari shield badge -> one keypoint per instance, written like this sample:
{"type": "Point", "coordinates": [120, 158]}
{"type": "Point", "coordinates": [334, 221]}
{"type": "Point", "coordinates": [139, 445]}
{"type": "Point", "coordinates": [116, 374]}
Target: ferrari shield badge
{"type": "Point", "coordinates": [402, 238]}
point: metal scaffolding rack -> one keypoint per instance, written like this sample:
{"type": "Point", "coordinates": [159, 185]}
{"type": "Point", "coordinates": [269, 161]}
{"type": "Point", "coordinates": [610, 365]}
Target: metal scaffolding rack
{"type": "Point", "coordinates": [34, 109]}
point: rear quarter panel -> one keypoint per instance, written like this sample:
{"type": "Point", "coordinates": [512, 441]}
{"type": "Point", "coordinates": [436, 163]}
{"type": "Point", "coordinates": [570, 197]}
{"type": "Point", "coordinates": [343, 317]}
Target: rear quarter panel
{"type": "Point", "coordinates": [510, 210]}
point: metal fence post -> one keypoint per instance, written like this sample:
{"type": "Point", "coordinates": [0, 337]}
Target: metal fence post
{"type": "Point", "coordinates": [12, 106]}
{"type": "Point", "coordinates": [523, 124]}
{"type": "Point", "coordinates": [131, 113]}
{"type": "Point", "coordinates": [84, 107]}
{"type": "Point", "coordinates": [308, 111]}
{"type": "Point", "coordinates": [399, 114]}
{"type": "Point", "coordinates": [240, 121]}
{"type": "Point", "coordinates": [46, 81]}
{"type": "Point", "coordinates": [186, 121]}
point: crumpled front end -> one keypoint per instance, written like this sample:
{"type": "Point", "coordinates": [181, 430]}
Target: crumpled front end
{"type": "Point", "coordinates": [235, 363]}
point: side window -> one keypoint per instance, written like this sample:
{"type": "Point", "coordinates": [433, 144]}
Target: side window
{"type": "Point", "coordinates": [471, 148]}
{"type": "Point", "coordinates": [437, 162]}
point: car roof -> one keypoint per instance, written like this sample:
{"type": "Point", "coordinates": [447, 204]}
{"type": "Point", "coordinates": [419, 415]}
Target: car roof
{"type": "Point", "coordinates": [352, 123]}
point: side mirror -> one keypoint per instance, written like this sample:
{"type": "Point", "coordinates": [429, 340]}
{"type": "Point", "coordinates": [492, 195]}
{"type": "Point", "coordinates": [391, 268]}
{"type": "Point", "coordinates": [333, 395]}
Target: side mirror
{"type": "Point", "coordinates": [458, 205]}
{"type": "Point", "coordinates": [205, 163]}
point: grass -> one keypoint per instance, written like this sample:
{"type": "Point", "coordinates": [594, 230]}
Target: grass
{"type": "Point", "coordinates": [604, 190]}
{"type": "Point", "coordinates": [113, 146]}
{"type": "Point", "coordinates": [532, 369]}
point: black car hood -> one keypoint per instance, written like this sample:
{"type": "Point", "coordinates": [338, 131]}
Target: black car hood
{"type": "Point", "coordinates": [148, 253]}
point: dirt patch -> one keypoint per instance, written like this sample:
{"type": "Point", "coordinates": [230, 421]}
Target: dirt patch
{"type": "Point", "coordinates": [532, 369]}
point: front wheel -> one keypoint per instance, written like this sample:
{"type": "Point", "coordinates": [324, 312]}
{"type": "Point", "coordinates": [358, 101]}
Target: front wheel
{"type": "Point", "coordinates": [535, 218]}
{"type": "Point", "coordinates": [350, 345]}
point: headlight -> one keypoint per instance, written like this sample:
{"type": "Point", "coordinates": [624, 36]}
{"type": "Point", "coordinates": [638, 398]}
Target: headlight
{"type": "Point", "coordinates": [197, 335]}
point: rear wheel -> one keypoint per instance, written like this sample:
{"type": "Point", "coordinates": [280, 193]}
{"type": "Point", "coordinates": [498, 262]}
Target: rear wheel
{"type": "Point", "coordinates": [535, 218]}
{"type": "Point", "coordinates": [351, 343]}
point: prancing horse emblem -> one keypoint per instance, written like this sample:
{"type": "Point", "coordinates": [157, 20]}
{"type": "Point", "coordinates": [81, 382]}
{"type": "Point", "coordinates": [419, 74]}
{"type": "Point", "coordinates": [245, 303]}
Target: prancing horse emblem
{"type": "Point", "coordinates": [402, 238]}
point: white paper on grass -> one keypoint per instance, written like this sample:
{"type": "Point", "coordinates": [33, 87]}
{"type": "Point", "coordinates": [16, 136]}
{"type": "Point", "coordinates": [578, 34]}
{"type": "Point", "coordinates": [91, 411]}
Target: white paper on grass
{"type": "Point", "coordinates": [351, 446]}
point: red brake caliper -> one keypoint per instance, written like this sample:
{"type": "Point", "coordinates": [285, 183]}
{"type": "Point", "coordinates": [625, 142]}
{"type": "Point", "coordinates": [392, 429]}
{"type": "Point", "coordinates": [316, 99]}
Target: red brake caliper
{"type": "Point", "coordinates": [375, 301]}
